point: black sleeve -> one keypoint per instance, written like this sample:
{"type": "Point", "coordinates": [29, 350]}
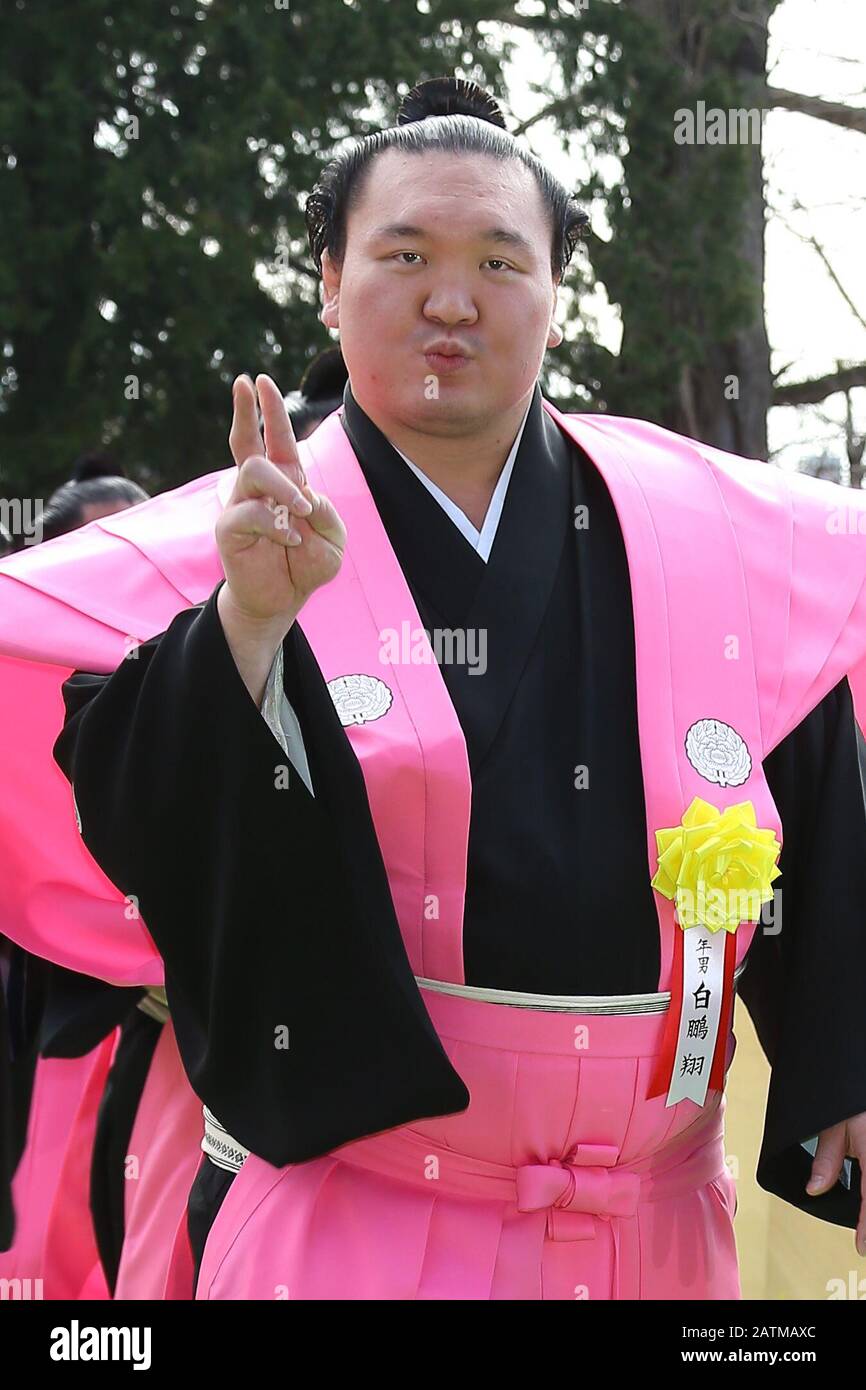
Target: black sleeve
{"type": "Point", "coordinates": [55, 1012]}
{"type": "Point", "coordinates": [298, 1019]}
{"type": "Point", "coordinates": [805, 980]}
{"type": "Point", "coordinates": [80, 1011]}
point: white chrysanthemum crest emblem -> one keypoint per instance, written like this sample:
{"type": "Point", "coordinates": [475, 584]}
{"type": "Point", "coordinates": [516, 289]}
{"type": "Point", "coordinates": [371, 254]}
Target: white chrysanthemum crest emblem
{"type": "Point", "coordinates": [718, 753]}
{"type": "Point", "coordinates": [359, 699]}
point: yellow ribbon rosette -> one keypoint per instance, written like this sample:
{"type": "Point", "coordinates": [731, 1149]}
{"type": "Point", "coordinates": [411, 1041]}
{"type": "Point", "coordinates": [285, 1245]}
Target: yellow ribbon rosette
{"type": "Point", "coordinates": [717, 866]}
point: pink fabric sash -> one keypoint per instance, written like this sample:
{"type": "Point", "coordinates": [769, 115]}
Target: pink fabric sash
{"type": "Point", "coordinates": [574, 1193]}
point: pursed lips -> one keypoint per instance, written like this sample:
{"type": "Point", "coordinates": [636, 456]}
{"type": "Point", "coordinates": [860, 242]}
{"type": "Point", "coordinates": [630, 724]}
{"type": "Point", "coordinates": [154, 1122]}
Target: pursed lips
{"type": "Point", "coordinates": [447, 357]}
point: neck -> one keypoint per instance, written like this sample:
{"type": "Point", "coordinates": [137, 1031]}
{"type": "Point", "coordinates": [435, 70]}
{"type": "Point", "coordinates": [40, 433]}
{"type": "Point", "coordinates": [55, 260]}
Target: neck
{"type": "Point", "coordinates": [466, 467]}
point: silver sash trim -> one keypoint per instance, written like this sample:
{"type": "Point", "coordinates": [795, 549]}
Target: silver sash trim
{"type": "Point", "coordinates": [561, 1003]}
{"type": "Point", "coordinates": [220, 1147]}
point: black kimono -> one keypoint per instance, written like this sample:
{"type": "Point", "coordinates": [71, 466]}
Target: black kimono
{"type": "Point", "coordinates": [172, 766]}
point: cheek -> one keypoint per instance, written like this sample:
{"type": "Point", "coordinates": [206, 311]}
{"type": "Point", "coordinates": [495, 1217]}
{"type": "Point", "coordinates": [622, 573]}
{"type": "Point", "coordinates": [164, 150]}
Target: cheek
{"type": "Point", "coordinates": [373, 287]}
{"type": "Point", "coordinates": [374, 325]}
{"type": "Point", "coordinates": [517, 330]}
{"type": "Point", "coordinates": [519, 303]}
{"type": "Point", "coordinates": [376, 315]}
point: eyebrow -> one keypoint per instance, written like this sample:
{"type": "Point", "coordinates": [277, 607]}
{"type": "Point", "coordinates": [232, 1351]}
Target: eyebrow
{"type": "Point", "coordinates": [503, 236]}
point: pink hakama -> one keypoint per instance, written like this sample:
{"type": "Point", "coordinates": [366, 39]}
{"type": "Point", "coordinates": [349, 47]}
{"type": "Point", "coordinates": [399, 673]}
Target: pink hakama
{"type": "Point", "coordinates": [558, 1182]}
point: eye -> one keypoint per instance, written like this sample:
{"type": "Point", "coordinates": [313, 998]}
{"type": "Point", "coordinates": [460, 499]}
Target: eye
{"type": "Point", "coordinates": [494, 260]}
{"type": "Point", "coordinates": [408, 253]}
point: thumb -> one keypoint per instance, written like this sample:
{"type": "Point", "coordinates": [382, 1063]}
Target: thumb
{"type": "Point", "coordinates": [325, 519]}
{"type": "Point", "coordinates": [827, 1162]}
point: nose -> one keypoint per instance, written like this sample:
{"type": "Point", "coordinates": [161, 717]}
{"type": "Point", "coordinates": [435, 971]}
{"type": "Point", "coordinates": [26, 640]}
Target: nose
{"type": "Point", "coordinates": [449, 303]}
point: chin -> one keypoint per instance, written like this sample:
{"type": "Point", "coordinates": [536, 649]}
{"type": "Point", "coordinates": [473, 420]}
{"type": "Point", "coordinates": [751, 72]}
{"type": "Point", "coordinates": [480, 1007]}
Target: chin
{"type": "Point", "coordinates": [449, 413]}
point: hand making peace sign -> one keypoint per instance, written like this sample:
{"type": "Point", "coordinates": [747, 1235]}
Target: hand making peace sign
{"type": "Point", "coordinates": [278, 540]}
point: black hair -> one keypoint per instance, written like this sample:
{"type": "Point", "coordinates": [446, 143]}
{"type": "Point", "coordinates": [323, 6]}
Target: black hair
{"type": "Point", "coordinates": [325, 376]}
{"type": "Point", "coordinates": [444, 114]}
{"type": "Point", "coordinates": [95, 464]}
{"type": "Point", "coordinates": [320, 391]}
{"type": "Point", "coordinates": [64, 510]}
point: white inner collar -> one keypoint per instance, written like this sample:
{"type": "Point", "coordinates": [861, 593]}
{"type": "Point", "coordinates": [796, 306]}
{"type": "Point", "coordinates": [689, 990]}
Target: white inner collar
{"type": "Point", "coordinates": [482, 540]}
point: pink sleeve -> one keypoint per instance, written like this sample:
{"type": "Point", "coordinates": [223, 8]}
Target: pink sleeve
{"type": "Point", "coordinates": [803, 546]}
{"type": "Point", "coordinates": [55, 900]}
{"type": "Point", "coordinates": [81, 602]}
{"type": "Point", "coordinates": [827, 615]}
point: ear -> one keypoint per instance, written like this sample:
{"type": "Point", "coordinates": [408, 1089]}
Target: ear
{"type": "Point", "coordinates": [555, 336]}
{"type": "Point", "coordinates": [330, 310]}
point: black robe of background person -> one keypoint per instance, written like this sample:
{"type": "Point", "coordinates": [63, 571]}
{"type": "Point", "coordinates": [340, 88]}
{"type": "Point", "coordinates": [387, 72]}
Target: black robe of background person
{"type": "Point", "coordinates": [54, 1012]}
{"type": "Point", "coordinates": [271, 906]}
{"type": "Point", "coordinates": [9, 1148]}
{"type": "Point", "coordinates": [78, 1013]}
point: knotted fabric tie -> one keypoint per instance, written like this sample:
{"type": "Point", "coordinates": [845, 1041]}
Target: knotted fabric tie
{"type": "Point", "coordinates": [578, 1190]}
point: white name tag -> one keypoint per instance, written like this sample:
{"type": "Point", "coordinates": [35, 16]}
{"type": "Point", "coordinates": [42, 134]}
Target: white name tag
{"type": "Point", "coordinates": [703, 979]}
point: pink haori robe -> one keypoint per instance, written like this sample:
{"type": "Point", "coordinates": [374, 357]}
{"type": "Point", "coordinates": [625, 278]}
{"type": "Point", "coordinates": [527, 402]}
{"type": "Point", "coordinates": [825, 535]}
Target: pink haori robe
{"type": "Point", "coordinates": [563, 1178]}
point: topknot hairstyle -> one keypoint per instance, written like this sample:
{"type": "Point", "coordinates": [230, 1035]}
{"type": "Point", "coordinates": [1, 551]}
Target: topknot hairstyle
{"type": "Point", "coordinates": [449, 96]}
{"type": "Point", "coordinates": [95, 464]}
{"type": "Point", "coordinates": [442, 114]}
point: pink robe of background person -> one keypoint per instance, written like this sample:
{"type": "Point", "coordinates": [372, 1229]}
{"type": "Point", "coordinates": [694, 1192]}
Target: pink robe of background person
{"type": "Point", "coordinates": [55, 1242]}
{"type": "Point", "coordinates": [59, 900]}
{"type": "Point", "coordinates": [166, 1144]}
{"type": "Point", "coordinates": [55, 1247]}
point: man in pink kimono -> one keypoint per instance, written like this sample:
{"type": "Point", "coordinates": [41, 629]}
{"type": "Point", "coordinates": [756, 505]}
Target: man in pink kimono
{"type": "Point", "coordinates": [80, 1054]}
{"type": "Point", "coordinates": [436, 775]}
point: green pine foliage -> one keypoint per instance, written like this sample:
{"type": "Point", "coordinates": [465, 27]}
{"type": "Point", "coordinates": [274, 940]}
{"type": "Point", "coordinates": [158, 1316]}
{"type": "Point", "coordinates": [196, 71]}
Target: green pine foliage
{"type": "Point", "coordinates": [153, 164]}
{"type": "Point", "coordinates": [154, 159]}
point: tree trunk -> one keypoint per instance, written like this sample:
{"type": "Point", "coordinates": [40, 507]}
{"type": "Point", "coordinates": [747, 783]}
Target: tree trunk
{"type": "Point", "coordinates": [695, 353]}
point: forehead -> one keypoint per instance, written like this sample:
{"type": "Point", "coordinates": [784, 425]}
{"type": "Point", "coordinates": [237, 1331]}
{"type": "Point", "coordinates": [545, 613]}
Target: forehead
{"type": "Point", "coordinates": [448, 192]}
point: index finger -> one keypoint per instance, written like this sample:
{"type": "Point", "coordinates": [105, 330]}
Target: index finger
{"type": "Point", "coordinates": [245, 439]}
{"type": "Point", "coordinates": [280, 444]}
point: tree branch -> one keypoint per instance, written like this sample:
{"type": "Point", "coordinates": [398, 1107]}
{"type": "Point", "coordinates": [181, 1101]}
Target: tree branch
{"type": "Point", "coordinates": [851, 117]}
{"type": "Point", "coordinates": [553, 108]}
{"type": "Point", "coordinates": [836, 112]}
{"type": "Point", "coordinates": [810, 392]}
{"type": "Point", "coordinates": [823, 257]}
